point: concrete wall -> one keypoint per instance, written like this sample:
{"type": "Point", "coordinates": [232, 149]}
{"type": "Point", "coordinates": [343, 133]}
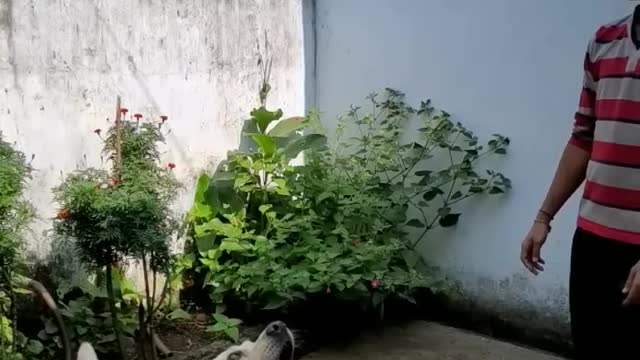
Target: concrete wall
{"type": "Point", "coordinates": [63, 62]}
{"type": "Point", "coordinates": [506, 66]}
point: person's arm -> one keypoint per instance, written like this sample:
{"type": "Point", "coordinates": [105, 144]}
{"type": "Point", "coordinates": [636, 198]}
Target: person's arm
{"type": "Point", "coordinates": [571, 170]}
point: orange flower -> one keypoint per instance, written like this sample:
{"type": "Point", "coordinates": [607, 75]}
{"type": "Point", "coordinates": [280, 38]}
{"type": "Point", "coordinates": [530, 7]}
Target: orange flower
{"type": "Point", "coordinates": [375, 283]}
{"type": "Point", "coordinates": [63, 214]}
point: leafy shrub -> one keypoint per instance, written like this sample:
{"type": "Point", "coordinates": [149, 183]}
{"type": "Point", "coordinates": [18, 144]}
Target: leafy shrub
{"type": "Point", "coordinates": [273, 234]}
{"type": "Point", "coordinates": [85, 310]}
{"type": "Point", "coordinates": [15, 214]}
{"type": "Point", "coordinates": [123, 212]}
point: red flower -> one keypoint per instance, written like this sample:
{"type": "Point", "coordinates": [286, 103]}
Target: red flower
{"type": "Point", "coordinates": [137, 116]}
{"type": "Point", "coordinates": [171, 166]}
{"type": "Point", "coordinates": [375, 283]}
{"type": "Point", "coordinates": [164, 118]}
{"type": "Point", "coordinates": [124, 111]}
{"type": "Point", "coordinates": [97, 131]}
{"type": "Point", "coordinates": [114, 182]}
{"type": "Point", "coordinates": [63, 214]}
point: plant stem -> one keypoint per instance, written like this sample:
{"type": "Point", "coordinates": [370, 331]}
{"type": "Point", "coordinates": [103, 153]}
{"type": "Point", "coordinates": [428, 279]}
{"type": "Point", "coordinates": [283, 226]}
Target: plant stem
{"type": "Point", "coordinates": [12, 309]}
{"type": "Point", "coordinates": [114, 311]}
{"type": "Point", "coordinates": [149, 322]}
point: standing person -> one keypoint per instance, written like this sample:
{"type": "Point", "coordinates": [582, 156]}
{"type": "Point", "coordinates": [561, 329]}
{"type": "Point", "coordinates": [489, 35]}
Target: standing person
{"type": "Point", "coordinates": [604, 150]}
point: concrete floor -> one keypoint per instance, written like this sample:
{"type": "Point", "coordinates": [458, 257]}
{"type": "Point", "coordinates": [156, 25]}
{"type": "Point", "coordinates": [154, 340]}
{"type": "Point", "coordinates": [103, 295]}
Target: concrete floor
{"type": "Point", "coordinates": [429, 341]}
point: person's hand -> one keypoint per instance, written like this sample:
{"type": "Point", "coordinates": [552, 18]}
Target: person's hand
{"type": "Point", "coordinates": [632, 286]}
{"type": "Point", "coordinates": [531, 245]}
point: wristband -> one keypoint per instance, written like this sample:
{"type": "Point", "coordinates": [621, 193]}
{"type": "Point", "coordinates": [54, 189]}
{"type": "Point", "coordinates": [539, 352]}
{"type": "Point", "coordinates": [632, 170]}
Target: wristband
{"type": "Point", "coordinates": [546, 213]}
{"type": "Point", "coordinates": [543, 222]}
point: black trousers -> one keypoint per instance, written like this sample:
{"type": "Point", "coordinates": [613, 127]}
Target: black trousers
{"type": "Point", "coordinates": [601, 327]}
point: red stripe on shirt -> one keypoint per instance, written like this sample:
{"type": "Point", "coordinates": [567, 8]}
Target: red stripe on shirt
{"type": "Point", "coordinates": [617, 109]}
{"type": "Point", "coordinates": [628, 155]}
{"type": "Point", "coordinates": [608, 67]}
{"type": "Point", "coordinates": [587, 98]}
{"type": "Point", "coordinates": [611, 33]}
{"type": "Point", "coordinates": [609, 233]}
{"type": "Point", "coordinates": [581, 142]}
{"type": "Point", "coordinates": [612, 196]}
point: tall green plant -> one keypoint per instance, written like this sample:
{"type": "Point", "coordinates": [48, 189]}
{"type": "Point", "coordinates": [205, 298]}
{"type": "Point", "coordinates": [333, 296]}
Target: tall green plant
{"type": "Point", "coordinates": [15, 214]}
{"type": "Point", "coordinates": [273, 234]}
{"type": "Point", "coordinates": [124, 211]}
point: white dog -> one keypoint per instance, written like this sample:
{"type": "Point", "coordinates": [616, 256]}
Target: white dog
{"type": "Point", "coordinates": [276, 342]}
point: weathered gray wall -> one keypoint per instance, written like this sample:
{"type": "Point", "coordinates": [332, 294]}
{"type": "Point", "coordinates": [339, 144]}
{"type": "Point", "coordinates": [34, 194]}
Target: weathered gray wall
{"type": "Point", "coordinates": [63, 62]}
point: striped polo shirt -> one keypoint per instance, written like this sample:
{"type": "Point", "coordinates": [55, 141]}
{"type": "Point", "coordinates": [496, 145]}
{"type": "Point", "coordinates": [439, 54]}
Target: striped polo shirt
{"type": "Point", "coordinates": [607, 124]}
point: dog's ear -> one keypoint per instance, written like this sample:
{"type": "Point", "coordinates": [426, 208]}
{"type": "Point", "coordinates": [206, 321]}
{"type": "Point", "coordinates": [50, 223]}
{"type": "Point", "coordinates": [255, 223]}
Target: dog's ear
{"type": "Point", "coordinates": [86, 352]}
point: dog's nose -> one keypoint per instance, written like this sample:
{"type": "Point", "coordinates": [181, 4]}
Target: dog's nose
{"type": "Point", "coordinates": [276, 328]}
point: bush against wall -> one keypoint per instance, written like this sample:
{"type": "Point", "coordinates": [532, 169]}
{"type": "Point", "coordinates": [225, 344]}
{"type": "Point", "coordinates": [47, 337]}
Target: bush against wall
{"type": "Point", "coordinates": [271, 235]}
{"type": "Point", "coordinates": [15, 214]}
{"type": "Point", "coordinates": [122, 212]}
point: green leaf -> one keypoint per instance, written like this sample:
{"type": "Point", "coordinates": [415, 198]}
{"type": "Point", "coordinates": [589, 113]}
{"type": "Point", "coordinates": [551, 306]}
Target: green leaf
{"type": "Point", "coordinates": [287, 126]}
{"type": "Point", "coordinates": [456, 195]}
{"type": "Point", "coordinates": [221, 318]}
{"type": "Point", "coordinates": [178, 314]}
{"type": "Point", "coordinates": [234, 322]}
{"type": "Point", "coordinates": [205, 243]}
{"type": "Point", "coordinates": [501, 151]}
{"type": "Point", "coordinates": [50, 327]}
{"type": "Point", "coordinates": [449, 220]}
{"type": "Point", "coordinates": [306, 142]}
{"type": "Point", "coordinates": [233, 333]}
{"type": "Point", "coordinates": [265, 142]}
{"type": "Point", "coordinates": [496, 190]}
{"type": "Point", "coordinates": [264, 208]}
{"type": "Point", "coordinates": [275, 304]}
{"type": "Point", "coordinates": [216, 327]}
{"type": "Point", "coordinates": [35, 347]}
{"type": "Point", "coordinates": [232, 245]}
{"type": "Point", "coordinates": [431, 194]}
{"type": "Point", "coordinates": [411, 257]}
{"type": "Point", "coordinates": [264, 117]}
{"type": "Point", "coordinates": [415, 223]}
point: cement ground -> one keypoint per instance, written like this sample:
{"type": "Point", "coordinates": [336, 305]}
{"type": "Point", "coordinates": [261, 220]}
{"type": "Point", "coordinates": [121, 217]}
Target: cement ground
{"type": "Point", "coordinates": [429, 341]}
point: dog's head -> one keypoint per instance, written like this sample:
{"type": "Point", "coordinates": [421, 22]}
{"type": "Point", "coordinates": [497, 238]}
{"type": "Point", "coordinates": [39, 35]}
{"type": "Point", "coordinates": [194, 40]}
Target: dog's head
{"type": "Point", "coordinates": [276, 342]}
{"type": "Point", "coordinates": [86, 352]}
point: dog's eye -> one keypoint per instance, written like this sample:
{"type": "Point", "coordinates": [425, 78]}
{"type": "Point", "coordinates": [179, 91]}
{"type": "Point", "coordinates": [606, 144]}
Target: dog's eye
{"type": "Point", "coordinates": [235, 355]}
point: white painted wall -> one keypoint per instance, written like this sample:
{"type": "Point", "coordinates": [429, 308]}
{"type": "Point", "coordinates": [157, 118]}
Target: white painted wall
{"type": "Point", "coordinates": [507, 66]}
{"type": "Point", "coordinates": [63, 62]}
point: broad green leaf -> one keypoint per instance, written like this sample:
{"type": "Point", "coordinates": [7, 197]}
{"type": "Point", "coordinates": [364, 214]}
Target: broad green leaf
{"type": "Point", "coordinates": [286, 126]}
{"type": "Point", "coordinates": [178, 314]}
{"type": "Point", "coordinates": [449, 220]}
{"type": "Point", "coordinates": [217, 327]}
{"type": "Point", "coordinates": [201, 187]}
{"type": "Point", "coordinates": [219, 317]}
{"type": "Point", "coordinates": [264, 208]}
{"type": "Point", "coordinates": [204, 243]}
{"type": "Point", "coordinates": [306, 142]}
{"type": "Point", "coordinates": [411, 257]}
{"type": "Point", "coordinates": [264, 117]}
{"type": "Point", "coordinates": [265, 142]}
{"type": "Point", "coordinates": [234, 322]}
{"type": "Point", "coordinates": [232, 245]}
{"type": "Point", "coordinates": [276, 303]}
{"type": "Point", "coordinates": [50, 327]}
{"type": "Point", "coordinates": [233, 333]}
{"type": "Point", "coordinates": [35, 347]}
{"type": "Point", "coordinates": [456, 195]}
{"type": "Point", "coordinates": [415, 223]}
{"type": "Point", "coordinates": [496, 190]}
